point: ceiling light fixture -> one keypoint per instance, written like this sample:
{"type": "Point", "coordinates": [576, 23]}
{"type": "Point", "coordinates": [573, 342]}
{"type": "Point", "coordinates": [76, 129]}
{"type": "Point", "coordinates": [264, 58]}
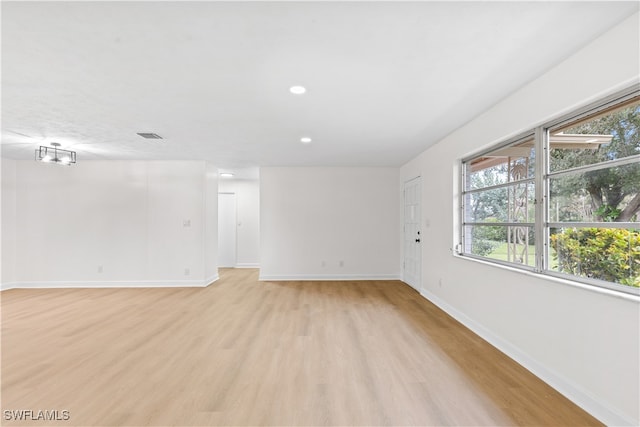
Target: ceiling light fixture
{"type": "Point", "coordinates": [54, 154]}
{"type": "Point", "coordinates": [226, 174]}
{"type": "Point", "coordinates": [297, 90]}
{"type": "Point", "coordinates": [305, 140]}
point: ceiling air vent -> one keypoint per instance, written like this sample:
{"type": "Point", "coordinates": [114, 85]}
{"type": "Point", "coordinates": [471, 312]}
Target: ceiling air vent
{"type": "Point", "coordinates": [149, 135]}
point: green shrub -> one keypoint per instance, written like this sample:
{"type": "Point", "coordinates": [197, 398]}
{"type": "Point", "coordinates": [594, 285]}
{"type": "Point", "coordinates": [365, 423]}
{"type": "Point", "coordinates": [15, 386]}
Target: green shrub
{"type": "Point", "coordinates": [495, 233]}
{"type": "Point", "coordinates": [486, 238]}
{"type": "Point", "coordinates": [483, 247]}
{"type": "Point", "coordinates": [611, 254]}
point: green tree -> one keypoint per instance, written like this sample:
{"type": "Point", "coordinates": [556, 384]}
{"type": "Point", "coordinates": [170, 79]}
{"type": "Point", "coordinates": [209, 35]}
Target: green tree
{"type": "Point", "coordinates": [488, 204]}
{"type": "Point", "coordinates": [614, 192]}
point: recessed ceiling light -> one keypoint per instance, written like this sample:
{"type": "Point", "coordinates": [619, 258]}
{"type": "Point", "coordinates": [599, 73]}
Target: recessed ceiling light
{"type": "Point", "coordinates": [305, 140]}
{"type": "Point", "coordinates": [297, 90]}
{"type": "Point", "coordinates": [226, 175]}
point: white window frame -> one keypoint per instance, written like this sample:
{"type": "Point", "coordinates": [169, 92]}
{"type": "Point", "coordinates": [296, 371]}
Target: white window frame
{"type": "Point", "coordinates": [542, 177]}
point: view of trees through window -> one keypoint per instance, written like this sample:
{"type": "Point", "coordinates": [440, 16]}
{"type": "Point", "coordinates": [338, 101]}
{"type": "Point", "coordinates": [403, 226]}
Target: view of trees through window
{"type": "Point", "coordinates": [606, 190]}
{"type": "Point", "coordinates": [592, 195]}
{"type": "Point", "coordinates": [499, 206]}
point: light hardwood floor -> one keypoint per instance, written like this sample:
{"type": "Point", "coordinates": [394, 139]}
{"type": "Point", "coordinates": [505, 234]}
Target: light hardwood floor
{"type": "Point", "coordinates": [244, 352]}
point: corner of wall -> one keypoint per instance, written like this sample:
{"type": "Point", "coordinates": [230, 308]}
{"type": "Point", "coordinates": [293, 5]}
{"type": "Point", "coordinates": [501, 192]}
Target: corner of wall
{"type": "Point", "coordinates": [210, 215]}
{"type": "Point", "coordinates": [8, 216]}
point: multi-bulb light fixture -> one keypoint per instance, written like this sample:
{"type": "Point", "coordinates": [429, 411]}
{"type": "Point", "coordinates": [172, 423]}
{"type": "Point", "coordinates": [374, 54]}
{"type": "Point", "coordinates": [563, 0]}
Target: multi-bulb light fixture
{"type": "Point", "coordinates": [55, 154]}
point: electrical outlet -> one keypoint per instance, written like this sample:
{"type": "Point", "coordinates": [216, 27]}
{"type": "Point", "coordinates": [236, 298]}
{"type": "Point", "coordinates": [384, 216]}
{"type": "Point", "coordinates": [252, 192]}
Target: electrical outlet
{"type": "Point", "coordinates": [187, 272]}
{"type": "Point", "coordinates": [100, 269]}
{"type": "Point", "coordinates": [186, 223]}
{"type": "Point", "coordinates": [323, 264]}
{"type": "Point", "coordinates": [341, 263]}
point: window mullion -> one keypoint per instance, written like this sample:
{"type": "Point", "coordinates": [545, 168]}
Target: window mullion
{"type": "Point", "coordinates": [498, 186]}
{"type": "Point", "coordinates": [463, 208]}
{"type": "Point", "coordinates": [542, 159]}
{"type": "Point", "coordinates": [596, 166]}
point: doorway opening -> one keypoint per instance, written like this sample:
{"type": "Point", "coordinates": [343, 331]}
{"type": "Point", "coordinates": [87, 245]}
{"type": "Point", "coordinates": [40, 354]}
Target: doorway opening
{"type": "Point", "coordinates": [227, 230]}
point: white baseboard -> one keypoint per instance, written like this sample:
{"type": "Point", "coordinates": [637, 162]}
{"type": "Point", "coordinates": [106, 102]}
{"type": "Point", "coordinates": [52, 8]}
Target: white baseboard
{"type": "Point", "coordinates": [109, 284]}
{"type": "Point", "coordinates": [211, 280]}
{"type": "Point", "coordinates": [567, 388]}
{"type": "Point", "coordinates": [8, 285]}
{"type": "Point", "coordinates": [337, 277]}
{"type": "Point", "coordinates": [247, 265]}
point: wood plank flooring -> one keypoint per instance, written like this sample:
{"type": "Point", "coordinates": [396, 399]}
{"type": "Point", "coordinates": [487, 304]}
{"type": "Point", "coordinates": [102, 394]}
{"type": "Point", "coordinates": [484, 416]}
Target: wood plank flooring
{"type": "Point", "coordinates": [243, 352]}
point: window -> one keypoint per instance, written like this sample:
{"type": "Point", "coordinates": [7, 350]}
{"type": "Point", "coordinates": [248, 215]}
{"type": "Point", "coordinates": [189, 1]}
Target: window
{"type": "Point", "coordinates": [573, 211]}
{"type": "Point", "coordinates": [593, 224]}
{"type": "Point", "coordinates": [499, 203]}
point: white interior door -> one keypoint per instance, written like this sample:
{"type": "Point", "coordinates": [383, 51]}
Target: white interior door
{"type": "Point", "coordinates": [227, 230]}
{"type": "Point", "coordinates": [412, 265]}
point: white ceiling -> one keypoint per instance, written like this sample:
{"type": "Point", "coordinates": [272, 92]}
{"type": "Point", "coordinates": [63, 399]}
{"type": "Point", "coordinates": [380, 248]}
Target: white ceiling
{"type": "Point", "coordinates": [385, 79]}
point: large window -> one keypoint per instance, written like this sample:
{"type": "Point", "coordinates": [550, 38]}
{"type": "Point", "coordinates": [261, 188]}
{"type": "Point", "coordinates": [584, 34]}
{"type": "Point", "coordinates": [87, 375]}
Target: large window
{"type": "Point", "coordinates": [563, 199]}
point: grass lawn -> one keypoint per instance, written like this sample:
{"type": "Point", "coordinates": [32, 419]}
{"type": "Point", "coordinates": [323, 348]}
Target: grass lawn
{"type": "Point", "coordinates": [500, 253]}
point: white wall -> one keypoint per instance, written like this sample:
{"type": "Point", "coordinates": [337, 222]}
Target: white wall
{"type": "Point", "coordinates": [314, 218]}
{"type": "Point", "coordinates": [111, 223]}
{"type": "Point", "coordinates": [175, 192]}
{"type": "Point", "coordinates": [8, 248]}
{"type": "Point", "coordinates": [211, 223]}
{"type": "Point", "coordinates": [583, 342]}
{"type": "Point", "coordinates": [248, 219]}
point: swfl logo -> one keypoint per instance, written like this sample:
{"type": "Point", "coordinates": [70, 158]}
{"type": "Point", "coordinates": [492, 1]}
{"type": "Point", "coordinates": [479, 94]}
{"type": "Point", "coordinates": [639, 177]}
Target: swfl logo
{"type": "Point", "coordinates": [39, 415]}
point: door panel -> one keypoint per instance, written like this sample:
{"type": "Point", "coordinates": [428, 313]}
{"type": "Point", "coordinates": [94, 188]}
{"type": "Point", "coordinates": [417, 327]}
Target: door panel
{"type": "Point", "coordinates": [412, 264]}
